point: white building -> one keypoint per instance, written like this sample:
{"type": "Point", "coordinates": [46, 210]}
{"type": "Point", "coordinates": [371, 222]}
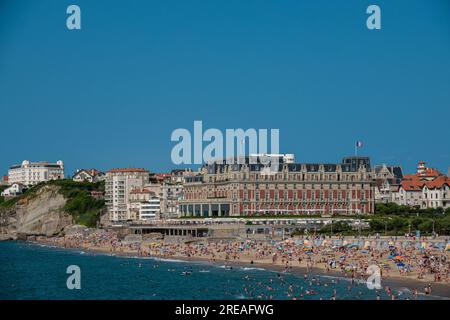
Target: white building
{"type": "Point", "coordinates": [178, 176]}
{"type": "Point", "coordinates": [150, 209]}
{"type": "Point", "coordinates": [118, 186]}
{"type": "Point", "coordinates": [136, 198]}
{"type": "Point", "coordinates": [427, 188]}
{"type": "Point", "coordinates": [171, 195]}
{"type": "Point", "coordinates": [409, 194]}
{"type": "Point", "coordinates": [143, 204]}
{"type": "Point", "coordinates": [88, 175]}
{"type": "Point", "coordinates": [14, 190]}
{"type": "Point", "coordinates": [31, 173]}
{"type": "Point", "coordinates": [436, 193]}
{"type": "Point", "coordinates": [387, 181]}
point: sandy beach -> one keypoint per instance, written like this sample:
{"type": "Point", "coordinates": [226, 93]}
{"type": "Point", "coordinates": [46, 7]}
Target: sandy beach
{"type": "Point", "coordinates": [420, 270]}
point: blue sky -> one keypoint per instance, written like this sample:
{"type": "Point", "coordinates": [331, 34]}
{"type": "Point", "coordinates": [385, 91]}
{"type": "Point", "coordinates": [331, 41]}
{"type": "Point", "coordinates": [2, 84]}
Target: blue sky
{"type": "Point", "coordinates": [110, 94]}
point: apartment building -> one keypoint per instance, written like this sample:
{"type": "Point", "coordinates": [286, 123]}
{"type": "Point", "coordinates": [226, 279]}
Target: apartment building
{"type": "Point", "coordinates": [118, 185]}
{"type": "Point", "coordinates": [150, 209]}
{"type": "Point", "coordinates": [172, 194]}
{"type": "Point", "coordinates": [143, 204]}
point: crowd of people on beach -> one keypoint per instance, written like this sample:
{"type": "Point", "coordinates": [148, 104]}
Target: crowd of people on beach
{"type": "Point", "coordinates": [407, 258]}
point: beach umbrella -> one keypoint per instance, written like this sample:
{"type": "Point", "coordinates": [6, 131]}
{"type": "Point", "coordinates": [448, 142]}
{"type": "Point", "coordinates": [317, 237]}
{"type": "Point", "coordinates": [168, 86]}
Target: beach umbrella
{"type": "Point", "coordinates": [401, 264]}
{"type": "Point", "coordinates": [447, 247]}
{"type": "Point", "coordinates": [367, 244]}
{"type": "Point", "coordinates": [398, 258]}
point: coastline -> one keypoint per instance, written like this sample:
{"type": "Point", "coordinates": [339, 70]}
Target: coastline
{"type": "Point", "coordinates": [399, 283]}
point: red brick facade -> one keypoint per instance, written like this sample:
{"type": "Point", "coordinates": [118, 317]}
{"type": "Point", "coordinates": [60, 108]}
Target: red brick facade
{"type": "Point", "coordinates": [296, 189]}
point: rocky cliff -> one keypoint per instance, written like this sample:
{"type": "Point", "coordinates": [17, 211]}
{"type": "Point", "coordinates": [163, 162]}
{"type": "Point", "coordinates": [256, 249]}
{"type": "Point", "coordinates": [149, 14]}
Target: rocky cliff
{"type": "Point", "coordinates": [38, 213]}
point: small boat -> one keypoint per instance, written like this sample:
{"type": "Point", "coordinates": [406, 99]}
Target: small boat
{"type": "Point", "coordinates": [186, 273]}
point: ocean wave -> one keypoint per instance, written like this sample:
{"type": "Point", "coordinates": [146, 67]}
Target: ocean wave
{"type": "Point", "coordinates": [404, 290]}
{"type": "Point", "coordinates": [146, 258]}
{"type": "Point", "coordinates": [358, 281]}
{"type": "Point", "coordinates": [166, 259]}
{"type": "Point", "coordinates": [252, 268]}
{"type": "Point", "coordinates": [43, 245]}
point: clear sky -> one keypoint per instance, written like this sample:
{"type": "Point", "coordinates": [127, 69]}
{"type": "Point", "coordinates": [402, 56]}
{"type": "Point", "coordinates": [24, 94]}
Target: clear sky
{"type": "Point", "coordinates": [111, 94]}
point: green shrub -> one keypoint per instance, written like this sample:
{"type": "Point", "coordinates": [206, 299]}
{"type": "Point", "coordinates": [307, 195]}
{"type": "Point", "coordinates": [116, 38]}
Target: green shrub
{"type": "Point", "coordinates": [338, 227]}
{"type": "Point", "coordinates": [80, 204]}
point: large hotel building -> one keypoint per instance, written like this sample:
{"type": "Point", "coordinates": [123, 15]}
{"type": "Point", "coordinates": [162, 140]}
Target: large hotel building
{"type": "Point", "coordinates": [30, 173]}
{"type": "Point", "coordinates": [248, 188]}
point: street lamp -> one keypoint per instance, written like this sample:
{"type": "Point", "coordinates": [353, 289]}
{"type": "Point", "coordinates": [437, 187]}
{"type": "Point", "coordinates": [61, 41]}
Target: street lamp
{"type": "Point", "coordinates": [359, 227]}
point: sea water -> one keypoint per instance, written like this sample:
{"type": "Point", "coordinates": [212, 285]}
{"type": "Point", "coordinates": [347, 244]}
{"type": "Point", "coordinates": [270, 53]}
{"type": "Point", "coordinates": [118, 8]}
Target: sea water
{"type": "Point", "coordinates": [34, 271]}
